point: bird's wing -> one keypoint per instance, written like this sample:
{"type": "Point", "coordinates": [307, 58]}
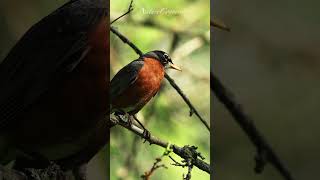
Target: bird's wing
{"type": "Point", "coordinates": [124, 78]}
{"type": "Point", "coordinates": [50, 48]}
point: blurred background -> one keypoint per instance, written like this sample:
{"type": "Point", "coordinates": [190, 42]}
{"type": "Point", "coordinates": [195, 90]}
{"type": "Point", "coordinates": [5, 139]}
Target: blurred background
{"type": "Point", "coordinates": [16, 17]}
{"type": "Point", "coordinates": [181, 28]}
{"type": "Point", "coordinates": [271, 62]}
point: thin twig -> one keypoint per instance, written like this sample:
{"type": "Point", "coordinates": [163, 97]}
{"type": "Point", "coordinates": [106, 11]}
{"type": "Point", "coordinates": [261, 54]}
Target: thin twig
{"type": "Point", "coordinates": [155, 166]}
{"type": "Point", "coordinates": [190, 166]}
{"type": "Point", "coordinates": [264, 151]}
{"type": "Point", "coordinates": [126, 40]}
{"type": "Point", "coordinates": [176, 163]}
{"type": "Point", "coordinates": [128, 11]}
{"type": "Point", "coordinates": [193, 110]}
{"type": "Point", "coordinates": [185, 163]}
{"type": "Point", "coordinates": [219, 24]}
{"type": "Point", "coordinates": [183, 152]}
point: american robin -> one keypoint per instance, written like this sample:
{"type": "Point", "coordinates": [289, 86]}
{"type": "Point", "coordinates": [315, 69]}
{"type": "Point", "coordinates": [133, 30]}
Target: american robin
{"type": "Point", "coordinates": [54, 86]}
{"type": "Point", "coordinates": [136, 83]}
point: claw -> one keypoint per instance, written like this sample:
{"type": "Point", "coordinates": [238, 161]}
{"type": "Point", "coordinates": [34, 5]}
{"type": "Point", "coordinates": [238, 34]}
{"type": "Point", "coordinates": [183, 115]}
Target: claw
{"type": "Point", "coordinates": [146, 135]}
{"type": "Point", "coordinates": [130, 120]}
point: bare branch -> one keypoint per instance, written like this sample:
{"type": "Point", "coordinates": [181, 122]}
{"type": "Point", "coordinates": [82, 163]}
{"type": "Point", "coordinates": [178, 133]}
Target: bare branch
{"type": "Point", "coordinates": [126, 40]}
{"type": "Point", "coordinates": [264, 151]}
{"type": "Point", "coordinates": [147, 175]}
{"type": "Point", "coordinates": [183, 152]}
{"type": "Point", "coordinates": [185, 163]}
{"type": "Point", "coordinates": [129, 10]}
{"type": "Point", "coordinates": [193, 110]}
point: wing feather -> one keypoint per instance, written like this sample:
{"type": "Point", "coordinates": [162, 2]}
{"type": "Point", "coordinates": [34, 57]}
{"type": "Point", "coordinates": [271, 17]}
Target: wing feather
{"type": "Point", "coordinates": [124, 78]}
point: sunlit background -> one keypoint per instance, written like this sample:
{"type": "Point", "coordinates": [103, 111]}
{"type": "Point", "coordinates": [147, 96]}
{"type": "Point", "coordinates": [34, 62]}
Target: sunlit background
{"type": "Point", "coordinates": [181, 28]}
{"type": "Point", "coordinates": [271, 61]}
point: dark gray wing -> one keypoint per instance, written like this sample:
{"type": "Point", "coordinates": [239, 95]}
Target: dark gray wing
{"type": "Point", "coordinates": [124, 78]}
{"type": "Point", "coordinates": [49, 49]}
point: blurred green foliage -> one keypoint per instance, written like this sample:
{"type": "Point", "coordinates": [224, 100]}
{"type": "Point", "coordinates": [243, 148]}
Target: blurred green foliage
{"type": "Point", "coordinates": [166, 116]}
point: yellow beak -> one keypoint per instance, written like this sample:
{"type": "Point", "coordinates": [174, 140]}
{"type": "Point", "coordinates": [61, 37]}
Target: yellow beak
{"type": "Point", "coordinates": [172, 66]}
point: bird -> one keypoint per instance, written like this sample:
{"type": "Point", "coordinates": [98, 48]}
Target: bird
{"type": "Point", "coordinates": [54, 93]}
{"type": "Point", "coordinates": [135, 84]}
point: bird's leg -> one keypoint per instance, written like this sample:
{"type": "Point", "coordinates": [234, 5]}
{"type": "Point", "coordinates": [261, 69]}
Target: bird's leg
{"type": "Point", "coordinates": [130, 118]}
{"type": "Point", "coordinates": [146, 133]}
{"type": "Point", "coordinates": [124, 116]}
{"type": "Point", "coordinates": [130, 121]}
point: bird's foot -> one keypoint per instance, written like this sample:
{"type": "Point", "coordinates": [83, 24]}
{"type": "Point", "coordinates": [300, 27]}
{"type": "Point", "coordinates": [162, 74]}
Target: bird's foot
{"type": "Point", "coordinates": [125, 117]}
{"type": "Point", "coordinates": [119, 114]}
{"type": "Point", "coordinates": [146, 135]}
{"type": "Point", "coordinates": [130, 120]}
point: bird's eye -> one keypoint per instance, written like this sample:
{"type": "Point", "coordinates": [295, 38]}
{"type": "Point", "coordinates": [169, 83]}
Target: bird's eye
{"type": "Point", "coordinates": [167, 58]}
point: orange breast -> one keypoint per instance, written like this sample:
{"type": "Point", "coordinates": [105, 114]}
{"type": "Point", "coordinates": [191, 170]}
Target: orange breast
{"type": "Point", "coordinates": [145, 87]}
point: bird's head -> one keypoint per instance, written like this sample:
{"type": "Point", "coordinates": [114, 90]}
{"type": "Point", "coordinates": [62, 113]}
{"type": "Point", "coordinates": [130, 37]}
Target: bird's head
{"type": "Point", "coordinates": [164, 59]}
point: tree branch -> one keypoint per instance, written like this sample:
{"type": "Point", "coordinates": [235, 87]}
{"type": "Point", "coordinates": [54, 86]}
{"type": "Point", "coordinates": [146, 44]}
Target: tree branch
{"type": "Point", "coordinates": [264, 151]}
{"type": "Point", "coordinates": [126, 40]}
{"type": "Point", "coordinates": [183, 152]}
{"type": "Point", "coordinates": [186, 99]}
{"type": "Point", "coordinates": [128, 11]}
{"type": "Point", "coordinates": [156, 165]}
